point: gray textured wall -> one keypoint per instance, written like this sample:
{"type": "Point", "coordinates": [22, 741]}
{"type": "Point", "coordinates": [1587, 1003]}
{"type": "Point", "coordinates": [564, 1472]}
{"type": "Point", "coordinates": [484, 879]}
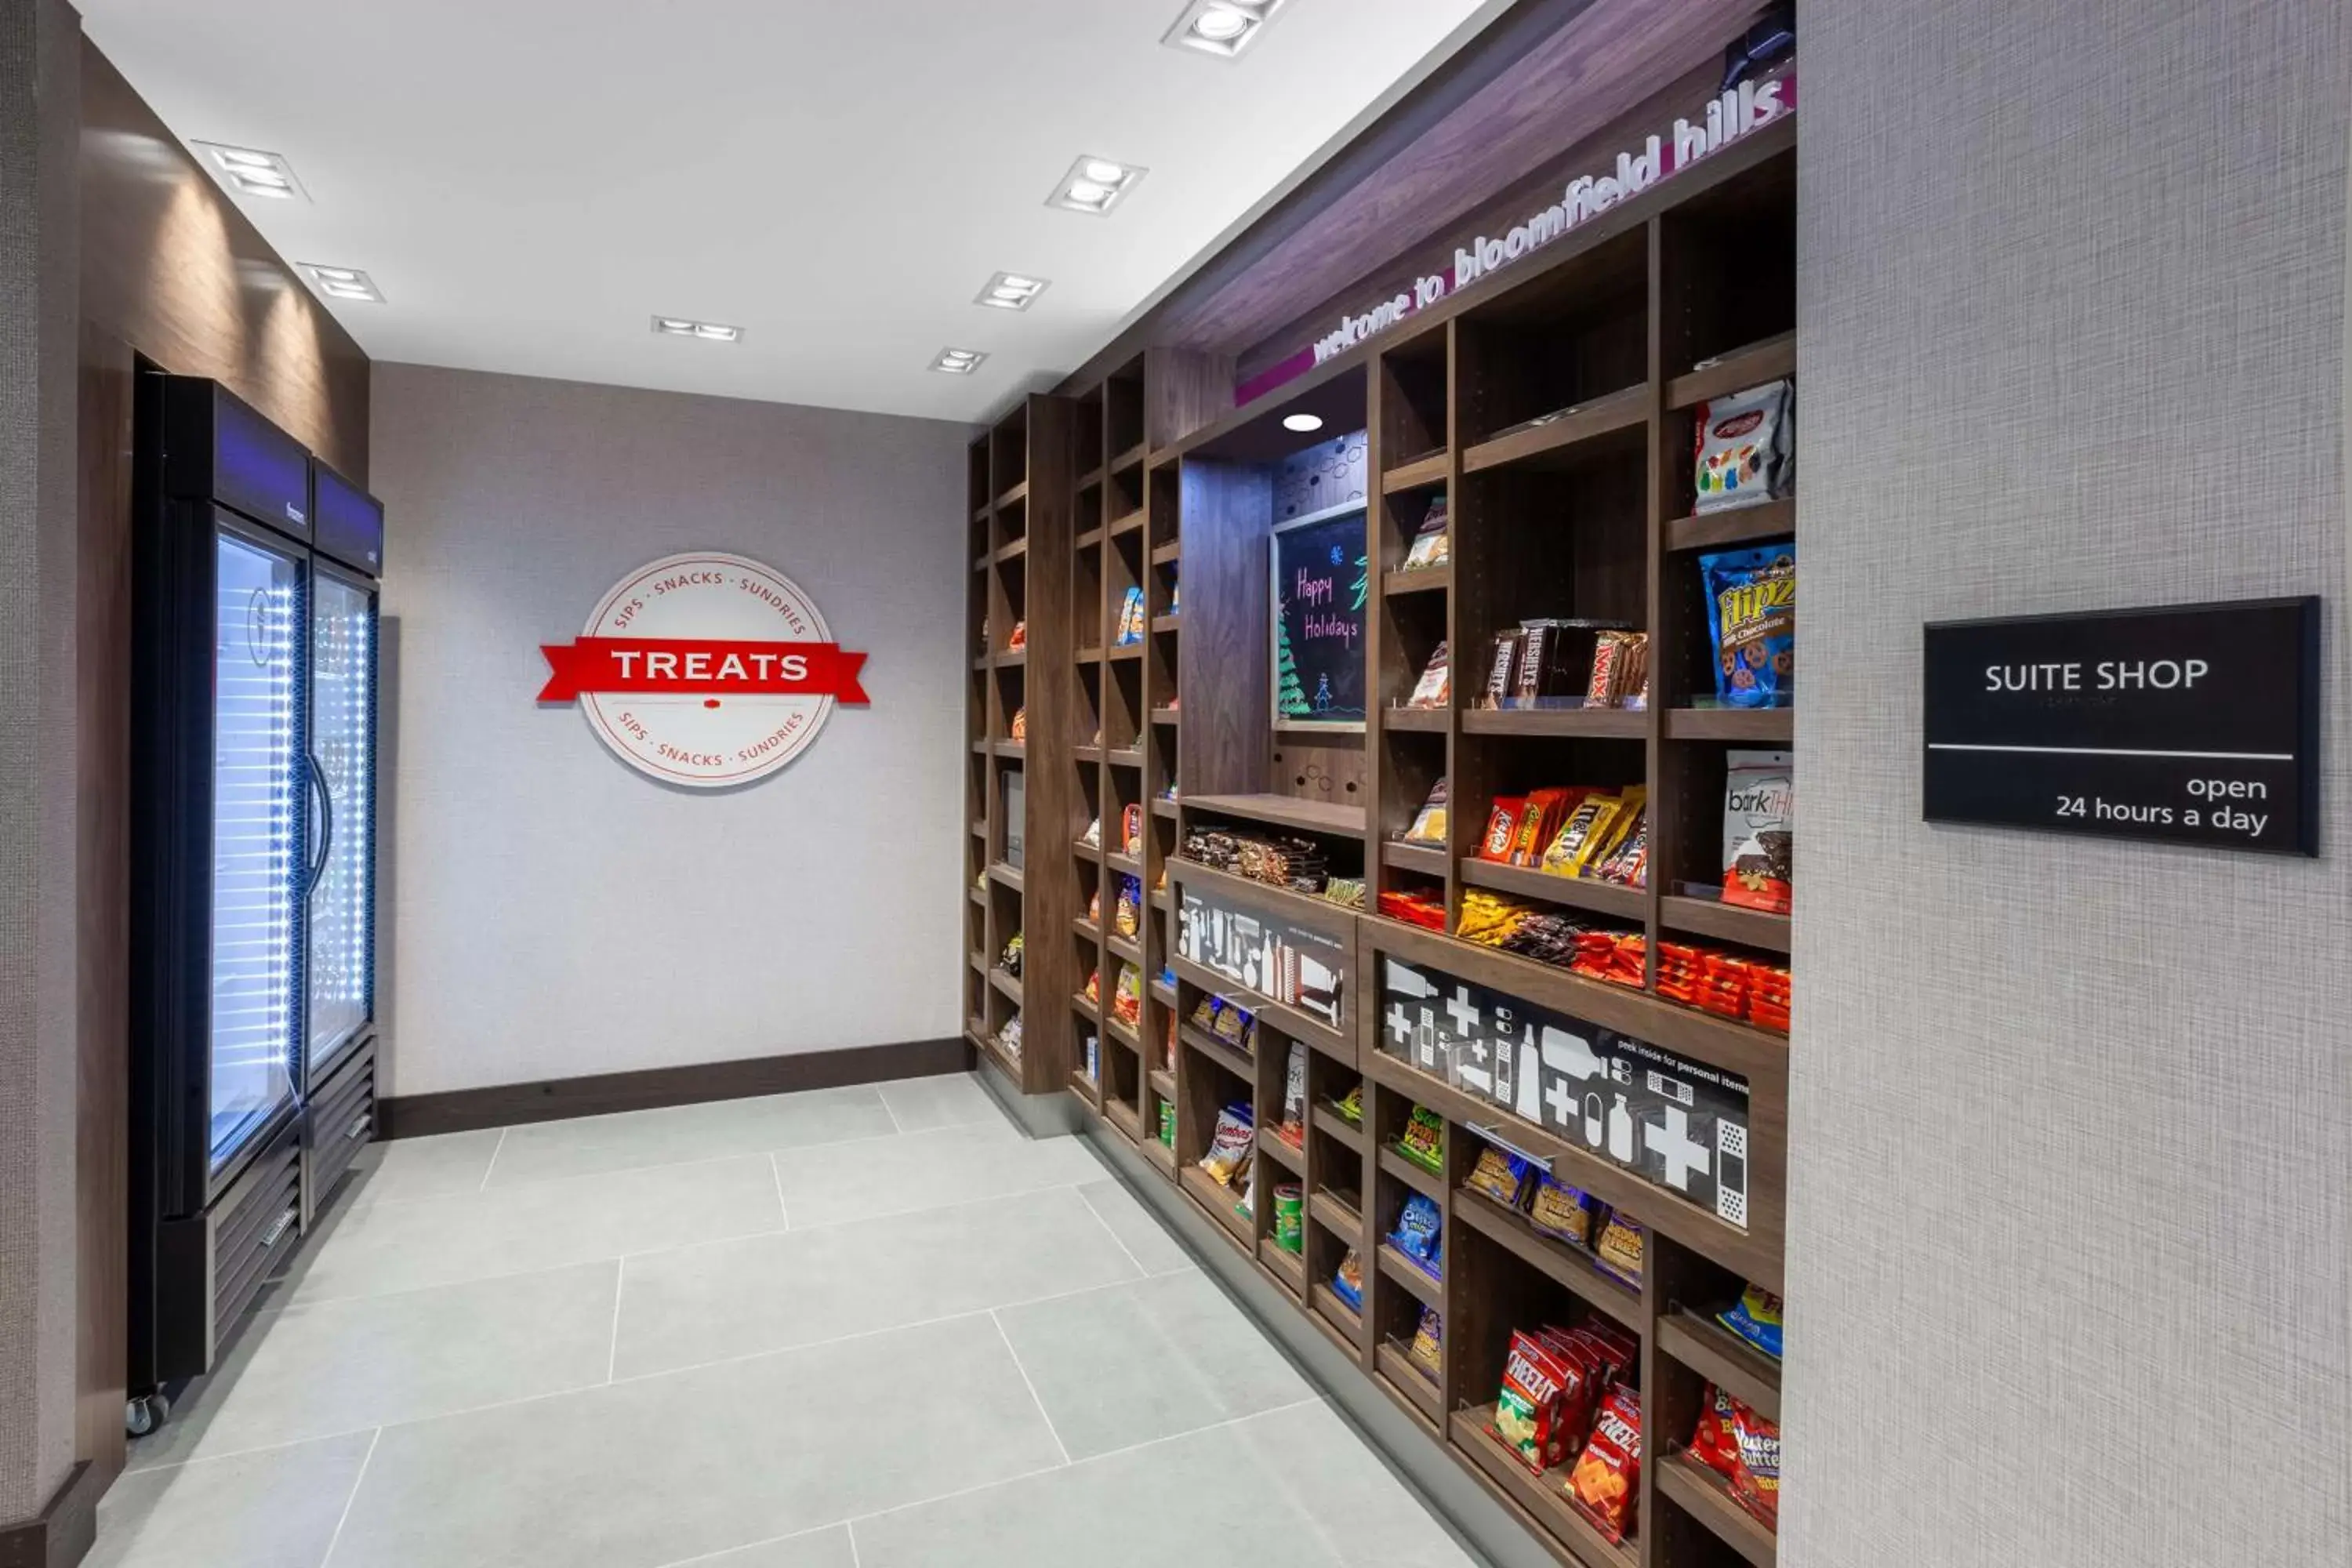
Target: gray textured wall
{"type": "Point", "coordinates": [2072, 1121]}
{"type": "Point", "coordinates": [552, 912]}
{"type": "Point", "coordinates": [39, 118]}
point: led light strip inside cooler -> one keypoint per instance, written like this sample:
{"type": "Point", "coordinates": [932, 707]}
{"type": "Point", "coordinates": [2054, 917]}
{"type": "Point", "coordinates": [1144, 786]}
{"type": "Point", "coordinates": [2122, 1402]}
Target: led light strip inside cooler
{"type": "Point", "coordinates": [343, 736]}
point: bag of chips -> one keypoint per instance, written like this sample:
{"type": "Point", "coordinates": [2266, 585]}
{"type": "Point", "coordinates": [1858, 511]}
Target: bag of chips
{"type": "Point", "coordinates": [1429, 822]}
{"type": "Point", "coordinates": [1558, 1210]}
{"type": "Point", "coordinates": [1423, 1139]}
{"type": "Point", "coordinates": [1618, 1249]}
{"type": "Point", "coordinates": [1756, 1317]}
{"type": "Point", "coordinates": [1501, 1176]}
{"type": "Point", "coordinates": [1760, 814]}
{"type": "Point", "coordinates": [1428, 1346]}
{"type": "Point", "coordinates": [1293, 1128]}
{"type": "Point", "coordinates": [1758, 1483]}
{"type": "Point", "coordinates": [1347, 1284]}
{"type": "Point", "coordinates": [1435, 687]}
{"type": "Point", "coordinates": [1231, 1145]}
{"type": "Point", "coordinates": [1752, 598]}
{"type": "Point", "coordinates": [1127, 1001]}
{"type": "Point", "coordinates": [1430, 545]}
{"type": "Point", "coordinates": [1417, 1234]}
{"type": "Point", "coordinates": [1746, 447]}
{"type": "Point", "coordinates": [1714, 1442]}
{"type": "Point", "coordinates": [1542, 1405]}
{"type": "Point", "coordinates": [1606, 1483]}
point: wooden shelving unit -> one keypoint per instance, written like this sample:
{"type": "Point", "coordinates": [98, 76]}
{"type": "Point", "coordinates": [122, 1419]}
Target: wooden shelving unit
{"type": "Point", "coordinates": [1553, 410]}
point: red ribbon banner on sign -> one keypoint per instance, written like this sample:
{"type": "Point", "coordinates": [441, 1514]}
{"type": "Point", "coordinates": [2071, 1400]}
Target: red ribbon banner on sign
{"type": "Point", "coordinates": [694, 666]}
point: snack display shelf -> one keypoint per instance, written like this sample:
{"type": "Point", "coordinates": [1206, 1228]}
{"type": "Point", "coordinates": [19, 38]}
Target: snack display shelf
{"type": "Point", "coordinates": [998, 872]}
{"type": "Point", "coordinates": [1217, 1051]}
{"type": "Point", "coordinates": [1118, 1029]}
{"type": "Point", "coordinates": [1331, 1124]}
{"type": "Point", "coordinates": [1431, 721]}
{"type": "Point", "coordinates": [1426, 580]}
{"type": "Point", "coordinates": [979, 897]}
{"type": "Point", "coordinates": [1127, 863]}
{"type": "Point", "coordinates": [1757, 726]}
{"type": "Point", "coordinates": [1286, 1019]}
{"type": "Point", "coordinates": [1334, 1310]}
{"type": "Point", "coordinates": [1582, 892]}
{"type": "Point", "coordinates": [1426, 859]}
{"type": "Point", "coordinates": [1006, 983]}
{"type": "Point", "coordinates": [1086, 1006]}
{"type": "Point", "coordinates": [1420, 473]}
{"type": "Point", "coordinates": [1163, 554]}
{"type": "Point", "coordinates": [1722, 1358]}
{"type": "Point", "coordinates": [1565, 1264]}
{"type": "Point", "coordinates": [1270, 1143]}
{"type": "Point", "coordinates": [978, 828]}
{"type": "Point", "coordinates": [1335, 1216]}
{"type": "Point", "coordinates": [1542, 1498]}
{"type": "Point", "coordinates": [1316, 914]}
{"type": "Point", "coordinates": [1738, 525]}
{"type": "Point", "coordinates": [1570, 438]}
{"type": "Point", "coordinates": [1284, 811]}
{"type": "Point", "coordinates": [1013, 495]}
{"type": "Point", "coordinates": [1751, 365]}
{"type": "Point", "coordinates": [1409, 1274]}
{"type": "Point", "coordinates": [980, 748]}
{"type": "Point", "coordinates": [1125, 757]}
{"type": "Point", "coordinates": [1165, 992]}
{"type": "Point", "coordinates": [979, 962]}
{"type": "Point", "coordinates": [1089, 655]}
{"type": "Point", "coordinates": [1088, 752]}
{"type": "Point", "coordinates": [1165, 898]}
{"type": "Point", "coordinates": [1014, 751]}
{"type": "Point", "coordinates": [1753, 1255]}
{"type": "Point", "coordinates": [995, 1053]}
{"type": "Point", "coordinates": [1421, 1179]}
{"type": "Point", "coordinates": [1086, 929]}
{"type": "Point", "coordinates": [1726, 922]}
{"type": "Point", "coordinates": [1089, 540]}
{"type": "Point", "coordinates": [1016, 550]}
{"type": "Point", "coordinates": [1123, 947]}
{"type": "Point", "coordinates": [1565, 724]}
{"type": "Point", "coordinates": [1085, 851]}
{"type": "Point", "coordinates": [1287, 1268]}
{"type": "Point", "coordinates": [1409, 1383]}
{"type": "Point", "coordinates": [1163, 807]}
{"type": "Point", "coordinates": [1083, 1087]}
{"type": "Point", "coordinates": [1218, 1200]}
{"type": "Point", "coordinates": [1130, 458]}
{"type": "Point", "coordinates": [1166, 714]}
{"type": "Point", "coordinates": [1125, 650]}
{"type": "Point", "coordinates": [1121, 1115]}
{"type": "Point", "coordinates": [976, 1030]}
{"type": "Point", "coordinates": [1163, 1083]}
{"type": "Point", "coordinates": [1706, 1497]}
{"type": "Point", "coordinates": [1162, 1158]}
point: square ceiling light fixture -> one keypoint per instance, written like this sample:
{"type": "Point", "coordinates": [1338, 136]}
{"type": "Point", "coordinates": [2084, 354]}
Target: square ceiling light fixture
{"type": "Point", "coordinates": [958, 361]}
{"type": "Point", "coordinates": [708, 331]}
{"type": "Point", "coordinates": [249, 172]}
{"type": "Point", "coordinates": [1221, 27]}
{"type": "Point", "coordinates": [1011, 292]}
{"type": "Point", "coordinates": [1094, 185]}
{"type": "Point", "coordinates": [344, 283]}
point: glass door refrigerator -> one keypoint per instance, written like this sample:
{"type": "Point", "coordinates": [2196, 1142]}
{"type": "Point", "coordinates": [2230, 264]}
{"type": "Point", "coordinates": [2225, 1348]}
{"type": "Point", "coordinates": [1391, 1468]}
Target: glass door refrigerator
{"type": "Point", "coordinates": [236, 686]}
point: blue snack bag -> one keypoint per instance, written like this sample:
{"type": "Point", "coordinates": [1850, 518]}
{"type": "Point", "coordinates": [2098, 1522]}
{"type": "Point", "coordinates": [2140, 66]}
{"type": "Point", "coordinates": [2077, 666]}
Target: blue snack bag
{"type": "Point", "coordinates": [1751, 597]}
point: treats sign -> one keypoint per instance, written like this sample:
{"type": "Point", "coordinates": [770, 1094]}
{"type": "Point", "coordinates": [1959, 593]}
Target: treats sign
{"type": "Point", "coordinates": [705, 671]}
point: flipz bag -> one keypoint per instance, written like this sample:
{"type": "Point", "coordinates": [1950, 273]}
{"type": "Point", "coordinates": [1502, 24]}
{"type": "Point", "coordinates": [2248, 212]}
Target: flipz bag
{"type": "Point", "coordinates": [1752, 598]}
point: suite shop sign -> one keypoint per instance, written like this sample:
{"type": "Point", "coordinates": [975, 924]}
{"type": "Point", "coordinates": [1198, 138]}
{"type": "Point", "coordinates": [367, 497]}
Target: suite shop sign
{"type": "Point", "coordinates": [2192, 724]}
{"type": "Point", "coordinates": [705, 671]}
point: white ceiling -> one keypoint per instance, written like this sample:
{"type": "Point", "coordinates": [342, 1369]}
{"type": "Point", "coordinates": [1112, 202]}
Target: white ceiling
{"type": "Point", "coordinates": [529, 182]}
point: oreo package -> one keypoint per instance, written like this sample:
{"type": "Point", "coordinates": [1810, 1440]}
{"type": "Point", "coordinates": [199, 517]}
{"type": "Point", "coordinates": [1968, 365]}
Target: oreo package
{"type": "Point", "coordinates": [1751, 614]}
{"type": "Point", "coordinates": [1746, 449]}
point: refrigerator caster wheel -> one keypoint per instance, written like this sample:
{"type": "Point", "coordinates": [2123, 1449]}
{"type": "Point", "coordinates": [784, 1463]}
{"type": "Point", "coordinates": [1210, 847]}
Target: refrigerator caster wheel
{"type": "Point", "coordinates": [143, 1415]}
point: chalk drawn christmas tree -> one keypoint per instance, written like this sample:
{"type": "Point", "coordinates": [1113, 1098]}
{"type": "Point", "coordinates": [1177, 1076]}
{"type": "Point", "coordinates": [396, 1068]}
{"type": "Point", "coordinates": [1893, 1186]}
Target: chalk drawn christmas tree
{"type": "Point", "coordinates": [1289, 697]}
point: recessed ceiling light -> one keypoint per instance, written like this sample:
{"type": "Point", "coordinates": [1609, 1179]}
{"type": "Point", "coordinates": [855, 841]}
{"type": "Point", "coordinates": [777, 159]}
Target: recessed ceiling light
{"type": "Point", "coordinates": [958, 361]}
{"type": "Point", "coordinates": [1011, 292]}
{"type": "Point", "coordinates": [1221, 27]}
{"type": "Point", "coordinates": [343, 282]}
{"type": "Point", "coordinates": [1094, 185]}
{"type": "Point", "coordinates": [708, 331]}
{"type": "Point", "coordinates": [249, 172]}
{"type": "Point", "coordinates": [1302, 423]}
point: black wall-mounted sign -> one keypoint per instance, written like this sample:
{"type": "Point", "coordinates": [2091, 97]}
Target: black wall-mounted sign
{"type": "Point", "coordinates": [2191, 724]}
{"type": "Point", "coordinates": [1321, 584]}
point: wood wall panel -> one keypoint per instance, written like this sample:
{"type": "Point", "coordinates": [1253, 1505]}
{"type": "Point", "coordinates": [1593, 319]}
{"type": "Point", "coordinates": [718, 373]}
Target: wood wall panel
{"type": "Point", "coordinates": [172, 269]}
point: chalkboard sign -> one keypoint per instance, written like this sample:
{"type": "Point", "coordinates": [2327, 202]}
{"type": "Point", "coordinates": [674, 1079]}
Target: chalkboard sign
{"type": "Point", "coordinates": [2192, 724]}
{"type": "Point", "coordinates": [1321, 583]}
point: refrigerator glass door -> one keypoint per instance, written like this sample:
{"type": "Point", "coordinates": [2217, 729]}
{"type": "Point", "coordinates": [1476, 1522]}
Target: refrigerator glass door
{"type": "Point", "coordinates": [258, 775]}
{"type": "Point", "coordinates": [342, 745]}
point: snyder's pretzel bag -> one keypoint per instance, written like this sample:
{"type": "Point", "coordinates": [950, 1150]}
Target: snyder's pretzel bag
{"type": "Point", "coordinates": [1747, 450]}
{"type": "Point", "coordinates": [1751, 597]}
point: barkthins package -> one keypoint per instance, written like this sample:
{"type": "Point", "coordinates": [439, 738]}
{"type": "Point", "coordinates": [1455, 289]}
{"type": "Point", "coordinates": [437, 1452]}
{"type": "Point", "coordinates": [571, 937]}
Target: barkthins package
{"type": "Point", "coordinates": [1759, 818]}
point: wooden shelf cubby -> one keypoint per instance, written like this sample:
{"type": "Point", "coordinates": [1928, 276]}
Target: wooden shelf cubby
{"type": "Point", "coordinates": [1551, 410]}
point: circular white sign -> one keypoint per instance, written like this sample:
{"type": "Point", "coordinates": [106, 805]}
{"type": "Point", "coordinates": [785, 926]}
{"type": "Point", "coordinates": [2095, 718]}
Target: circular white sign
{"type": "Point", "coordinates": [709, 736]}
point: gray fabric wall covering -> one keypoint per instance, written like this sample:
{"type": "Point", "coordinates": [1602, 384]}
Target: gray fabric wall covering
{"type": "Point", "coordinates": [2072, 1120]}
{"type": "Point", "coordinates": [39, 118]}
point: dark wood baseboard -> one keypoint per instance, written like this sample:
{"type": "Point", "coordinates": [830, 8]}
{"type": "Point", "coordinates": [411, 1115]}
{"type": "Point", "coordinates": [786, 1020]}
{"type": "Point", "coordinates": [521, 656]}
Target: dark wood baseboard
{"type": "Point", "coordinates": [65, 1530]}
{"type": "Point", "coordinates": [515, 1104]}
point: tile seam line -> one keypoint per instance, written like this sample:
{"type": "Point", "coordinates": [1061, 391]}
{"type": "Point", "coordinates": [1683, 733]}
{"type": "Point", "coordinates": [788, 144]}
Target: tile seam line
{"type": "Point", "coordinates": [648, 1377]}
{"type": "Point", "coordinates": [358, 1480]}
{"type": "Point", "coordinates": [1034, 1397]}
{"type": "Point", "coordinates": [680, 1247]}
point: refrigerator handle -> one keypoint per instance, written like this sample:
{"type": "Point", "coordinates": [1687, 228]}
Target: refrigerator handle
{"type": "Point", "coordinates": [326, 823]}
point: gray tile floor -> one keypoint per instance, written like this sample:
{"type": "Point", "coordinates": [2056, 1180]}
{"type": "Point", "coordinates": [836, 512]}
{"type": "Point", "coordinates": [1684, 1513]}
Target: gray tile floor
{"type": "Point", "coordinates": [867, 1328]}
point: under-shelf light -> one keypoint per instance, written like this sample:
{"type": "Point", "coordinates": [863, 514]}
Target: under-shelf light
{"type": "Point", "coordinates": [708, 331]}
{"type": "Point", "coordinates": [250, 172]}
{"type": "Point", "coordinates": [958, 361]}
{"type": "Point", "coordinates": [344, 283]}
{"type": "Point", "coordinates": [1221, 27]}
{"type": "Point", "coordinates": [1302, 423]}
{"type": "Point", "coordinates": [1094, 185]}
{"type": "Point", "coordinates": [1011, 292]}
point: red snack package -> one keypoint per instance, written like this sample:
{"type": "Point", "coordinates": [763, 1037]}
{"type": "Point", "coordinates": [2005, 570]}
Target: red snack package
{"type": "Point", "coordinates": [1715, 1445]}
{"type": "Point", "coordinates": [1502, 828]}
{"type": "Point", "coordinates": [1542, 1399]}
{"type": "Point", "coordinates": [1757, 1484]}
{"type": "Point", "coordinates": [1607, 1479]}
